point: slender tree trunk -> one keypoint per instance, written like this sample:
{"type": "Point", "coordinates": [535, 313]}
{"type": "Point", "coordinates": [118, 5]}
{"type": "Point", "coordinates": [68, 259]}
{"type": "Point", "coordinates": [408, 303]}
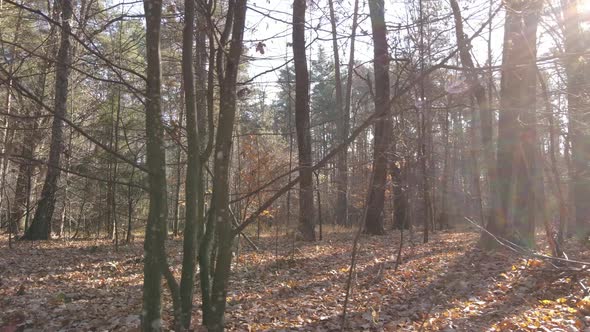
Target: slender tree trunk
{"type": "Point", "coordinates": [64, 212]}
{"type": "Point", "coordinates": [193, 169]}
{"type": "Point", "coordinates": [156, 230]}
{"type": "Point", "coordinates": [343, 177]}
{"type": "Point", "coordinates": [318, 193]}
{"type": "Point", "coordinates": [485, 111]}
{"type": "Point", "coordinates": [400, 203]}
{"type": "Point", "coordinates": [19, 205]}
{"type": "Point", "coordinates": [425, 176]}
{"type": "Point", "coordinates": [12, 223]}
{"type": "Point", "coordinates": [475, 170]}
{"type": "Point", "coordinates": [129, 236]}
{"type": "Point", "coordinates": [443, 217]}
{"type": "Point", "coordinates": [341, 128]}
{"type": "Point", "coordinates": [376, 195]}
{"type": "Point", "coordinates": [40, 228]}
{"type": "Point", "coordinates": [176, 213]}
{"type": "Point", "coordinates": [554, 237]}
{"type": "Point", "coordinates": [302, 123]}
{"type": "Point", "coordinates": [214, 294]}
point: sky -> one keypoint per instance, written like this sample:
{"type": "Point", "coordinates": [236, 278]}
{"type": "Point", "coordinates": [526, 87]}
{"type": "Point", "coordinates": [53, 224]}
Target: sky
{"type": "Point", "coordinates": [267, 21]}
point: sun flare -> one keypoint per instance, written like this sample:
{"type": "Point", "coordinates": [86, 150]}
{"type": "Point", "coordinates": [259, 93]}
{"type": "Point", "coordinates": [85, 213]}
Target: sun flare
{"type": "Point", "coordinates": [584, 7]}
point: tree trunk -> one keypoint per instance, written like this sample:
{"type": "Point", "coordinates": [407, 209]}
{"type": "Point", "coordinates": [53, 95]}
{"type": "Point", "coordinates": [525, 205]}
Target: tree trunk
{"type": "Point", "coordinates": [214, 294]}
{"type": "Point", "coordinates": [41, 225]}
{"type": "Point", "coordinates": [342, 128]}
{"type": "Point", "coordinates": [193, 169]}
{"type": "Point", "coordinates": [343, 178]}
{"type": "Point", "coordinates": [376, 194]}
{"type": "Point", "coordinates": [479, 92]}
{"type": "Point", "coordinates": [8, 135]}
{"type": "Point", "coordinates": [422, 157]}
{"type": "Point", "coordinates": [443, 217]}
{"type": "Point", "coordinates": [515, 198]}
{"type": "Point", "coordinates": [578, 95]}
{"type": "Point", "coordinates": [400, 201]}
{"type": "Point", "coordinates": [302, 123]}
{"type": "Point", "coordinates": [156, 228]}
{"type": "Point", "coordinates": [475, 170]}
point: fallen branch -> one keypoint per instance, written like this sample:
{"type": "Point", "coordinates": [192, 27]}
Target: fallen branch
{"type": "Point", "coordinates": [525, 251]}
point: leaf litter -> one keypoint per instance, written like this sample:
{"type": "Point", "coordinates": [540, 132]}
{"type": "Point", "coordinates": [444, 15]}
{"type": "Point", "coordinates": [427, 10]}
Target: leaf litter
{"type": "Point", "coordinates": [447, 285]}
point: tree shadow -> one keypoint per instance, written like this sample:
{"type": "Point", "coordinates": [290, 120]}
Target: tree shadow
{"type": "Point", "coordinates": [448, 283]}
{"type": "Point", "coordinates": [474, 291]}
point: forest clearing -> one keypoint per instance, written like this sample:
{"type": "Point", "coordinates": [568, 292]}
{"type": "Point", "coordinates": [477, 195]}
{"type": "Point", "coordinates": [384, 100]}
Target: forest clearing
{"type": "Point", "coordinates": [446, 285]}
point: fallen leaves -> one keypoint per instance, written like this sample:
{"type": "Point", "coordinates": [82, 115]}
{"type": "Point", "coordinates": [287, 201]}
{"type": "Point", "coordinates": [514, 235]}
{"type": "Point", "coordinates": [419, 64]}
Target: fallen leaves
{"type": "Point", "coordinates": [446, 285]}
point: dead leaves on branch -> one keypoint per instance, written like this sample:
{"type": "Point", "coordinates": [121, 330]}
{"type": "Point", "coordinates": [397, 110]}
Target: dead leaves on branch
{"type": "Point", "coordinates": [446, 285]}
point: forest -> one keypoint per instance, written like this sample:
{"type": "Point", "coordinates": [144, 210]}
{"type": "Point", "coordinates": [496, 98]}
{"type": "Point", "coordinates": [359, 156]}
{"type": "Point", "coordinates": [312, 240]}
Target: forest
{"type": "Point", "coordinates": [294, 165]}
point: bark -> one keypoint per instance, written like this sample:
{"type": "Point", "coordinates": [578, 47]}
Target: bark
{"type": "Point", "coordinates": [478, 91]}
{"type": "Point", "coordinates": [443, 217]}
{"type": "Point", "coordinates": [19, 205]}
{"type": "Point", "coordinates": [346, 120]}
{"type": "Point", "coordinates": [176, 211]}
{"type": "Point", "coordinates": [156, 228]}
{"type": "Point", "coordinates": [8, 135]}
{"type": "Point", "coordinates": [427, 205]}
{"type": "Point", "coordinates": [214, 292]}
{"type": "Point", "coordinates": [383, 127]}
{"type": "Point", "coordinates": [342, 129]}
{"type": "Point", "coordinates": [475, 170]}
{"type": "Point", "coordinates": [554, 237]}
{"type": "Point", "coordinates": [302, 123]}
{"type": "Point", "coordinates": [41, 225]}
{"type": "Point", "coordinates": [577, 98]}
{"type": "Point", "coordinates": [129, 235]}
{"type": "Point", "coordinates": [516, 171]}
{"type": "Point", "coordinates": [400, 201]}
{"type": "Point", "coordinates": [193, 169]}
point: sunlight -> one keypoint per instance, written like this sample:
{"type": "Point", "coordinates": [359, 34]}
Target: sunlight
{"type": "Point", "coordinates": [584, 11]}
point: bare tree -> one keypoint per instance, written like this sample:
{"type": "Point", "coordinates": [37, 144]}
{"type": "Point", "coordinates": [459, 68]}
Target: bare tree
{"type": "Point", "coordinates": [194, 169]}
{"type": "Point", "coordinates": [515, 197]}
{"type": "Point", "coordinates": [577, 99]}
{"type": "Point", "coordinates": [156, 228]}
{"type": "Point", "coordinates": [302, 123]}
{"type": "Point", "coordinates": [40, 228]}
{"type": "Point", "coordinates": [214, 277]}
{"type": "Point", "coordinates": [383, 126]}
{"type": "Point", "coordinates": [342, 126]}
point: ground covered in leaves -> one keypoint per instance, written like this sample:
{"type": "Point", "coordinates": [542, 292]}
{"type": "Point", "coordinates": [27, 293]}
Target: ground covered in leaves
{"type": "Point", "coordinates": [447, 285]}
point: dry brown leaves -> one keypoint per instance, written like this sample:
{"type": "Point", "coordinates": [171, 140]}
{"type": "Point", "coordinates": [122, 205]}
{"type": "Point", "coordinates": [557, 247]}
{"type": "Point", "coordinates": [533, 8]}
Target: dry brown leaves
{"type": "Point", "coordinates": [446, 285]}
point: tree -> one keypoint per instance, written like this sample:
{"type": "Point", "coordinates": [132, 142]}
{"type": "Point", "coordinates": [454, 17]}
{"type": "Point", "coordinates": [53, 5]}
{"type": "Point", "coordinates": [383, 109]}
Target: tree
{"type": "Point", "coordinates": [342, 127]}
{"type": "Point", "coordinates": [156, 228]}
{"type": "Point", "coordinates": [214, 276]}
{"type": "Point", "coordinates": [282, 104]}
{"type": "Point", "coordinates": [21, 203]}
{"type": "Point", "coordinates": [482, 101]}
{"type": "Point", "coordinates": [577, 99]}
{"type": "Point", "coordinates": [194, 169]}
{"type": "Point", "coordinates": [40, 228]}
{"type": "Point", "coordinates": [302, 123]}
{"type": "Point", "coordinates": [383, 127]}
{"type": "Point", "coordinates": [515, 197]}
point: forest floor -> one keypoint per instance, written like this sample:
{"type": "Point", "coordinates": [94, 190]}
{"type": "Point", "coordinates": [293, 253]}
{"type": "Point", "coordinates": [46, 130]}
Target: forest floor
{"type": "Point", "coordinates": [447, 284]}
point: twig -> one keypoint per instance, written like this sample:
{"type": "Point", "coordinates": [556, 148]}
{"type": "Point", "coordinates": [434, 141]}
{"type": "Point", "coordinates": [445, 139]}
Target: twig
{"type": "Point", "coordinates": [355, 248]}
{"type": "Point", "coordinates": [524, 251]}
